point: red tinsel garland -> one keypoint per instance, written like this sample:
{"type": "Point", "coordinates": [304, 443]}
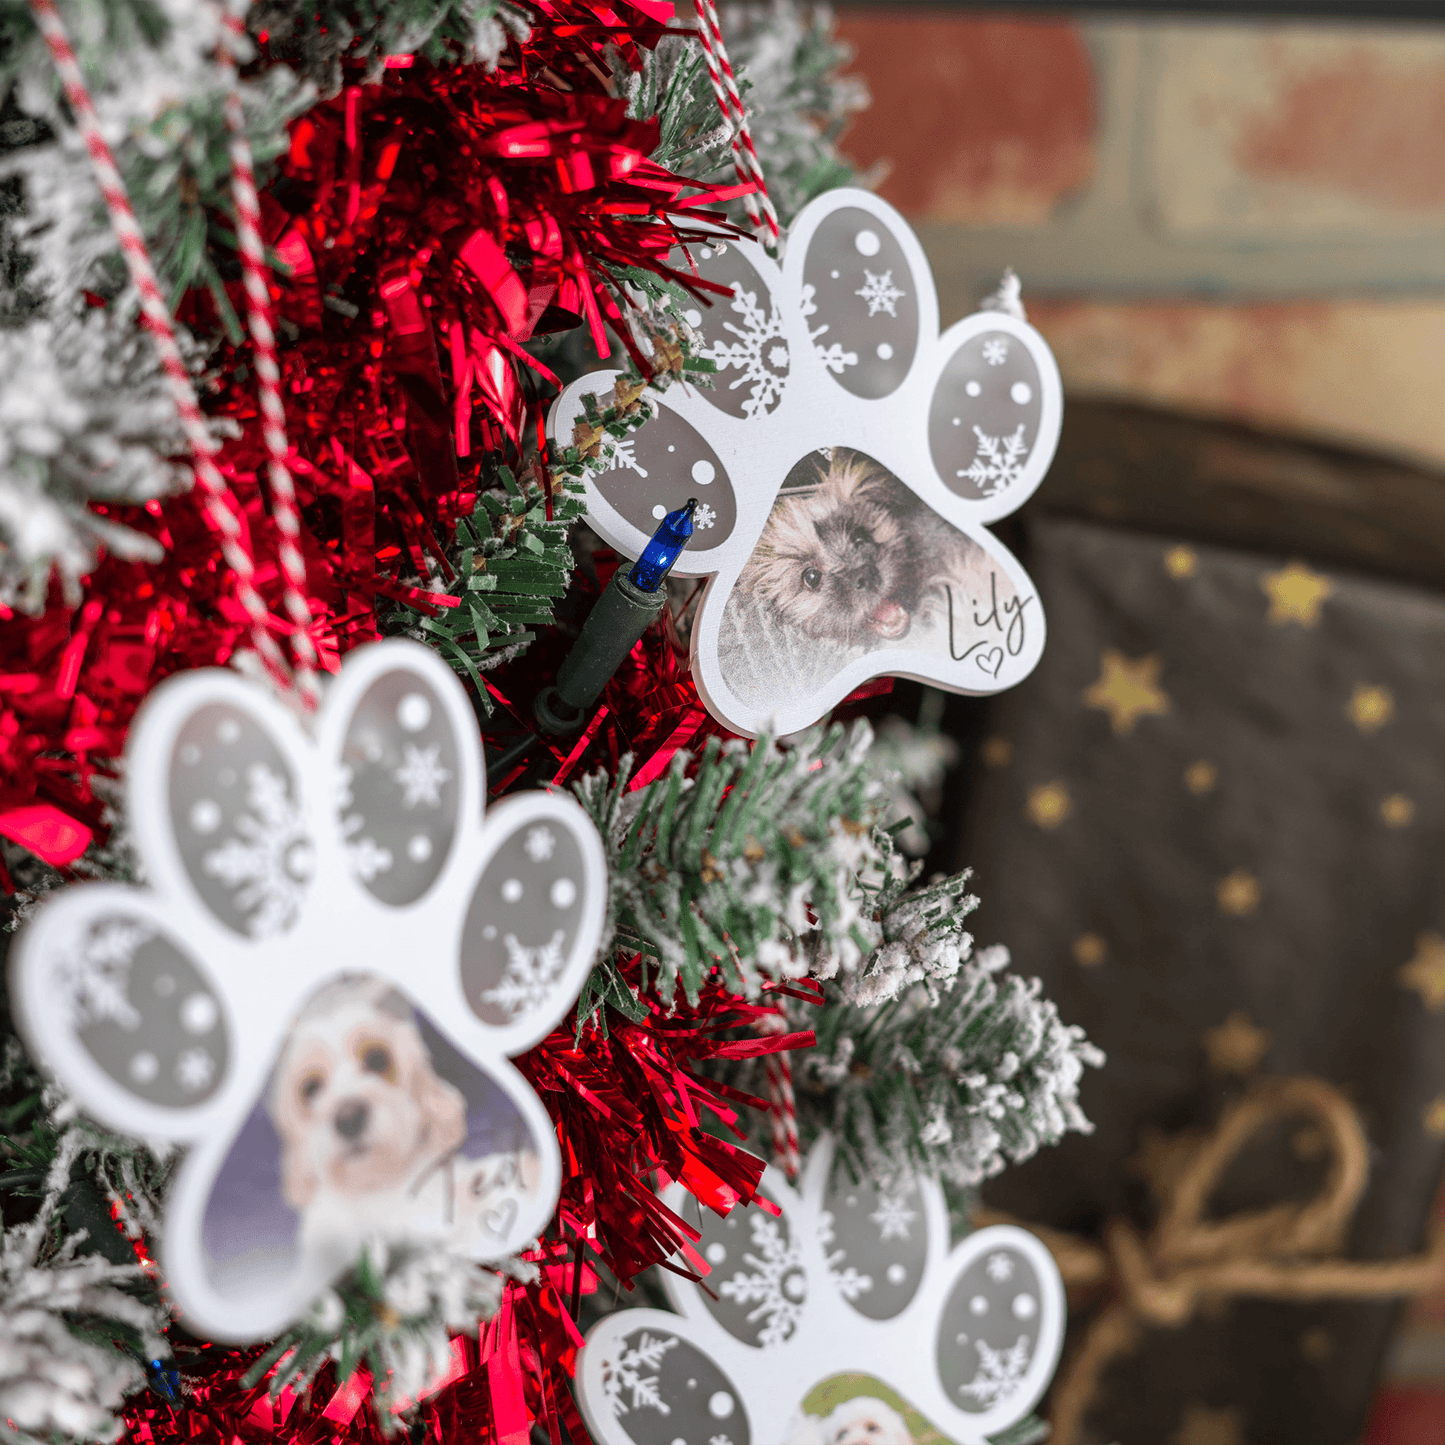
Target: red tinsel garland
{"type": "Point", "coordinates": [433, 224]}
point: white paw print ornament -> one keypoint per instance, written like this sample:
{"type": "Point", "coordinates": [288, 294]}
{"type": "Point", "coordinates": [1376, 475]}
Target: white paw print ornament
{"type": "Point", "coordinates": [846, 464]}
{"type": "Point", "coordinates": [846, 1320]}
{"type": "Point", "coordinates": [319, 988]}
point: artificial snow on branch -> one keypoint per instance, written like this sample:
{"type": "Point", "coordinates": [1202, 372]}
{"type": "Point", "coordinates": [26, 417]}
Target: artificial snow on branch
{"type": "Point", "coordinates": [750, 864]}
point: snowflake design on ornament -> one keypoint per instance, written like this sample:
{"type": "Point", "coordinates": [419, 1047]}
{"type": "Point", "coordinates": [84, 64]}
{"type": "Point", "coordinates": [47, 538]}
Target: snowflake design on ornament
{"type": "Point", "coordinates": [98, 985]}
{"type": "Point", "coordinates": [999, 1371]}
{"type": "Point", "coordinates": [835, 380]}
{"type": "Point", "coordinates": [893, 1216]}
{"type": "Point", "coordinates": [704, 517]}
{"type": "Point", "coordinates": [1000, 1267]}
{"type": "Point", "coordinates": [624, 457]}
{"type": "Point", "coordinates": [948, 1336]}
{"type": "Point", "coordinates": [626, 1372]}
{"type": "Point", "coordinates": [421, 776]}
{"type": "Point", "coordinates": [270, 863]}
{"type": "Point", "coordinates": [777, 1283]}
{"type": "Point", "coordinates": [760, 353]}
{"type": "Point", "coordinates": [999, 463]}
{"type": "Point", "coordinates": [880, 293]}
{"type": "Point", "coordinates": [530, 974]}
{"type": "Point", "coordinates": [312, 882]}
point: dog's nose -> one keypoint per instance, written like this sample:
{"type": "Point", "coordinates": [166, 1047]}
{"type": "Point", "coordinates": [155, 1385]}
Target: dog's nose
{"type": "Point", "coordinates": [865, 579]}
{"type": "Point", "coordinates": [351, 1118]}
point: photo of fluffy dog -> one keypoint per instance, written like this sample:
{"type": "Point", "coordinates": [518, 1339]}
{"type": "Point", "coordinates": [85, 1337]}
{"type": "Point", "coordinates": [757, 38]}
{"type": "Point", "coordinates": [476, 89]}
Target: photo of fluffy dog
{"type": "Point", "coordinates": [862, 1420]}
{"type": "Point", "coordinates": [371, 1134]}
{"type": "Point", "coordinates": [858, 560]}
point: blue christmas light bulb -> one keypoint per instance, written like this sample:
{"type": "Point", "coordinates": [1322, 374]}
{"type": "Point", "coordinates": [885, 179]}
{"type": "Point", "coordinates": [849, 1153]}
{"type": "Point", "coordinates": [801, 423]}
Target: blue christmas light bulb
{"type": "Point", "coordinates": [664, 549]}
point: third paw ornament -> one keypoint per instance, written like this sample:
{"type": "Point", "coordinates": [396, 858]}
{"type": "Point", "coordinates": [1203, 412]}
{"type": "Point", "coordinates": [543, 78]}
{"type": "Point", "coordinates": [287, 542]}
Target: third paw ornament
{"type": "Point", "coordinates": [846, 464]}
{"type": "Point", "coordinates": [846, 1319]}
{"type": "Point", "coordinates": [319, 988]}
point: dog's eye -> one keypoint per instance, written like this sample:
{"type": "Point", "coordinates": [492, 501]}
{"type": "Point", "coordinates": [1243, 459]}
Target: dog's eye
{"type": "Point", "coordinates": [812, 578]}
{"type": "Point", "coordinates": [311, 1085]}
{"type": "Point", "coordinates": [860, 536]}
{"type": "Point", "coordinates": [376, 1059]}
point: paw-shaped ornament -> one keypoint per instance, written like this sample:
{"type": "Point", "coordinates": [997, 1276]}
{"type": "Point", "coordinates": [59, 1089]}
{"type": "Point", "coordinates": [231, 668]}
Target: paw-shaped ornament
{"type": "Point", "coordinates": [320, 987]}
{"type": "Point", "coordinates": [846, 1320]}
{"type": "Point", "coordinates": [846, 463]}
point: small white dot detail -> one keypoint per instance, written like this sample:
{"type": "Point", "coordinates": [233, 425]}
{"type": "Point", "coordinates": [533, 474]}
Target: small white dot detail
{"type": "Point", "coordinates": [720, 1406]}
{"type": "Point", "coordinates": [512, 890]}
{"type": "Point", "coordinates": [659, 512]}
{"type": "Point", "coordinates": [1025, 1306]}
{"type": "Point", "coordinates": [885, 351]}
{"type": "Point", "coordinates": [229, 731]}
{"type": "Point", "coordinates": [199, 1014]}
{"type": "Point", "coordinates": [978, 1305]}
{"type": "Point", "coordinates": [489, 932]}
{"type": "Point", "coordinates": [896, 1274]}
{"type": "Point", "coordinates": [867, 243]}
{"type": "Point", "coordinates": [716, 1253]}
{"type": "Point", "coordinates": [693, 317]}
{"type": "Point", "coordinates": [564, 893]}
{"type": "Point", "coordinates": [1021, 392]}
{"type": "Point", "coordinates": [973, 388]}
{"type": "Point", "coordinates": [703, 472]}
{"type": "Point", "coordinates": [144, 1067]}
{"type": "Point", "coordinates": [206, 815]}
{"type": "Point", "coordinates": [419, 848]}
{"type": "Point", "coordinates": [833, 274]}
{"type": "Point", "coordinates": [413, 712]}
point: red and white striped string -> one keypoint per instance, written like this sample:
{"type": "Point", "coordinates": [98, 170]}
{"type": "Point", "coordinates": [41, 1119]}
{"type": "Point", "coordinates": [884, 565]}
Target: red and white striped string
{"type": "Point", "coordinates": [745, 156]}
{"type": "Point", "coordinates": [220, 507]}
{"type": "Point", "coordinates": [257, 279]}
{"type": "Point", "coordinates": [782, 1105]}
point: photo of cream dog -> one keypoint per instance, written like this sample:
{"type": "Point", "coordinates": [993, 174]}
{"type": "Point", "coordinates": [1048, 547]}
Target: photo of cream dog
{"type": "Point", "coordinates": [862, 1420]}
{"type": "Point", "coordinates": [371, 1133]}
{"type": "Point", "coordinates": [858, 560]}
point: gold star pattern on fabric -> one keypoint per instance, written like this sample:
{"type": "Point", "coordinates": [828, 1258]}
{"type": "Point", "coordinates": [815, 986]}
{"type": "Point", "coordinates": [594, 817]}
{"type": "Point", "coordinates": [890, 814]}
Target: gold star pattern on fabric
{"type": "Point", "coordinates": [1181, 562]}
{"type": "Point", "coordinates": [996, 752]}
{"type": "Point", "coordinates": [1236, 1046]}
{"type": "Point", "coordinates": [1203, 1426]}
{"type": "Point", "coordinates": [1238, 894]}
{"type": "Point", "coordinates": [1425, 973]}
{"type": "Point", "coordinates": [1435, 1117]}
{"type": "Point", "coordinates": [1371, 707]}
{"type": "Point", "coordinates": [1397, 811]}
{"type": "Point", "coordinates": [1089, 950]}
{"type": "Point", "coordinates": [1201, 777]}
{"type": "Point", "coordinates": [1049, 804]}
{"type": "Point", "coordinates": [1127, 689]}
{"type": "Point", "coordinates": [1295, 595]}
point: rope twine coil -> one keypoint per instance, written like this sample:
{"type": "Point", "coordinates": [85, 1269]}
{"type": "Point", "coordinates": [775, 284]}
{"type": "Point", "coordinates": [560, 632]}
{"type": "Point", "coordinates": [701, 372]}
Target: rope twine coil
{"type": "Point", "coordinates": [1287, 1251]}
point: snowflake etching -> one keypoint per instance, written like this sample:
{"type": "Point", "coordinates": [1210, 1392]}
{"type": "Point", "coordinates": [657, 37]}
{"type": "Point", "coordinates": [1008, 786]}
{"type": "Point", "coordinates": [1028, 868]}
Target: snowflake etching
{"type": "Point", "coordinates": [365, 856]}
{"type": "Point", "coordinates": [624, 457]}
{"type": "Point", "coordinates": [832, 356]}
{"type": "Point", "coordinates": [626, 1373]}
{"type": "Point", "coordinates": [893, 1216]}
{"type": "Point", "coordinates": [1000, 1371]}
{"type": "Point", "coordinates": [1000, 1267]}
{"type": "Point", "coordinates": [530, 974]}
{"type": "Point", "coordinates": [777, 1284]}
{"type": "Point", "coordinates": [760, 352]}
{"type": "Point", "coordinates": [271, 862]}
{"type": "Point", "coordinates": [999, 463]}
{"type": "Point", "coordinates": [995, 351]}
{"type": "Point", "coordinates": [195, 1069]}
{"type": "Point", "coordinates": [421, 776]}
{"type": "Point", "coordinates": [98, 984]}
{"type": "Point", "coordinates": [880, 293]}
{"type": "Point", "coordinates": [540, 844]}
{"type": "Point", "coordinates": [704, 517]}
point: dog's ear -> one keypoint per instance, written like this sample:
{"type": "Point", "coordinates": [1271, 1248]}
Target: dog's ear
{"type": "Point", "coordinates": [443, 1105]}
